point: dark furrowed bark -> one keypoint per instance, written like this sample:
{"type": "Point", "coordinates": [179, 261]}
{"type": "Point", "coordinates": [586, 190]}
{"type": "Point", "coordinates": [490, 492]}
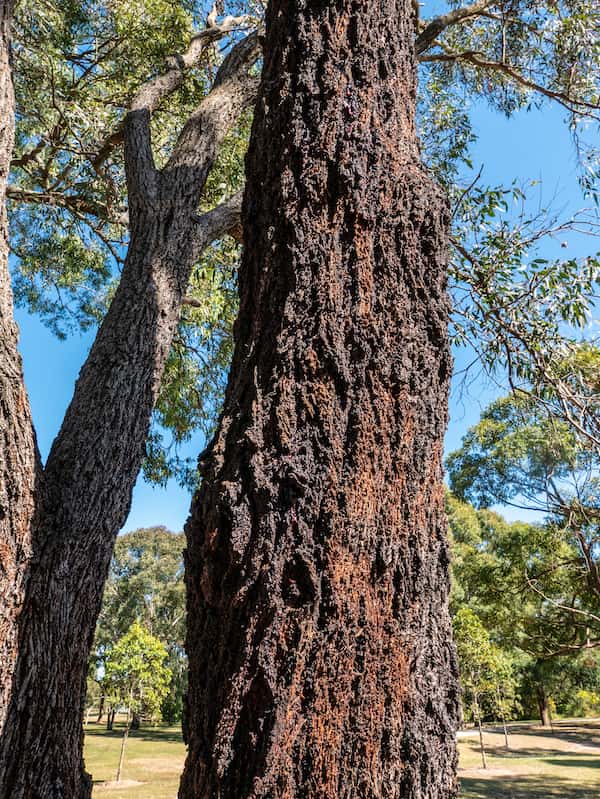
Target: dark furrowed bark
{"type": "Point", "coordinates": [96, 457]}
{"type": "Point", "coordinates": [321, 662]}
{"type": "Point", "coordinates": [19, 462]}
{"type": "Point", "coordinates": [85, 504]}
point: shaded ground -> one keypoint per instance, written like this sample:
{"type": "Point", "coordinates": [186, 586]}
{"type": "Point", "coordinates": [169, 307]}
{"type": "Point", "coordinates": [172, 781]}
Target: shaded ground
{"type": "Point", "coordinates": [563, 764]}
{"type": "Point", "coordinates": [541, 764]}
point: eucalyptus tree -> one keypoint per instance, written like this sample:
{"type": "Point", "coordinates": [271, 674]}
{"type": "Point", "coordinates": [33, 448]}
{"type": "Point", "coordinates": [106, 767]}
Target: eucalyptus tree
{"type": "Point", "coordinates": [145, 584]}
{"type": "Point", "coordinates": [120, 144]}
{"type": "Point", "coordinates": [78, 501]}
{"type": "Point", "coordinates": [526, 585]}
{"type": "Point", "coordinates": [317, 562]}
{"type": "Point", "coordinates": [487, 681]}
{"type": "Point", "coordinates": [137, 678]}
{"type": "Point", "coordinates": [520, 453]}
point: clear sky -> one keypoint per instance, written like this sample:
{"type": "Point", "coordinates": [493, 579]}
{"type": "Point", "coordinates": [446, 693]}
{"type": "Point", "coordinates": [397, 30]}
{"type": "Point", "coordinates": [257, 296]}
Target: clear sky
{"type": "Point", "coordinates": [534, 145]}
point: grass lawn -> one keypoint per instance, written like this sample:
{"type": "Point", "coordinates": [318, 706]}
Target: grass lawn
{"type": "Point", "coordinates": [563, 764]}
{"type": "Point", "coordinates": [153, 762]}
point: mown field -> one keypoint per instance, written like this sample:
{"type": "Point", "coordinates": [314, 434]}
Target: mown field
{"type": "Point", "coordinates": [562, 764]}
{"type": "Point", "coordinates": [541, 764]}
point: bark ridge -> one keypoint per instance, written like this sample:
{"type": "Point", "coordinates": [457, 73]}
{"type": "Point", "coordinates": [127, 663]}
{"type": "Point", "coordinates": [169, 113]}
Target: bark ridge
{"type": "Point", "coordinates": [321, 662]}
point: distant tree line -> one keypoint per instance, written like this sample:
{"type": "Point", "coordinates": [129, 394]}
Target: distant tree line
{"type": "Point", "coordinates": [522, 656]}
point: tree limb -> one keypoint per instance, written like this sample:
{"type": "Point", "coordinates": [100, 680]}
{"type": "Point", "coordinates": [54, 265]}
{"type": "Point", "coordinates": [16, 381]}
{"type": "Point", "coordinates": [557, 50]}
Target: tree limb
{"type": "Point", "coordinates": [233, 91]}
{"type": "Point", "coordinates": [73, 202]}
{"type": "Point", "coordinates": [471, 57]}
{"type": "Point", "coordinates": [151, 94]}
{"type": "Point", "coordinates": [154, 91]}
{"type": "Point", "coordinates": [224, 219]}
{"type": "Point", "coordinates": [439, 24]}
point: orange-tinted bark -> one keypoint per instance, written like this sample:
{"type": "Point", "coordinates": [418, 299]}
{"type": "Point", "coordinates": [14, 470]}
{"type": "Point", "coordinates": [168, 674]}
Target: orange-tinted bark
{"type": "Point", "coordinates": [321, 663]}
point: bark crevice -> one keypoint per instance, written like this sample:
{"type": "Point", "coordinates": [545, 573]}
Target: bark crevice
{"type": "Point", "coordinates": [317, 559]}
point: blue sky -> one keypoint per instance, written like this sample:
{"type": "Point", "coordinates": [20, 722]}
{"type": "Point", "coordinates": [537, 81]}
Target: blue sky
{"type": "Point", "coordinates": [534, 145]}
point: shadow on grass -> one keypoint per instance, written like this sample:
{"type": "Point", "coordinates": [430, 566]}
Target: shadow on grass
{"type": "Point", "coordinates": [524, 787]}
{"type": "Point", "coordinates": [520, 753]}
{"type": "Point", "coordinates": [155, 734]}
{"type": "Point", "coordinates": [537, 754]}
{"type": "Point", "coordinates": [587, 734]}
{"type": "Point", "coordinates": [574, 761]}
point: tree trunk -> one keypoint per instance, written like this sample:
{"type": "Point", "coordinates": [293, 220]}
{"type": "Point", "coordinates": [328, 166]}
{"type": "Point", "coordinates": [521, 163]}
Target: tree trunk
{"type": "Point", "coordinates": [101, 709]}
{"type": "Point", "coordinates": [505, 729]}
{"type": "Point", "coordinates": [481, 744]}
{"type": "Point", "coordinates": [321, 663]}
{"type": "Point", "coordinates": [110, 718]}
{"type": "Point", "coordinates": [19, 461]}
{"type": "Point", "coordinates": [543, 706]}
{"type": "Point", "coordinates": [135, 721]}
{"type": "Point", "coordinates": [95, 459]}
{"type": "Point", "coordinates": [123, 744]}
{"type": "Point", "coordinates": [502, 718]}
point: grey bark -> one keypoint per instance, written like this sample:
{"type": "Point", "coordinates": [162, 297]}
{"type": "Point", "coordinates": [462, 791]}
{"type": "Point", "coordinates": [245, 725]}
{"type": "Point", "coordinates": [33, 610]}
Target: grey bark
{"type": "Point", "coordinates": [19, 461]}
{"type": "Point", "coordinates": [95, 459]}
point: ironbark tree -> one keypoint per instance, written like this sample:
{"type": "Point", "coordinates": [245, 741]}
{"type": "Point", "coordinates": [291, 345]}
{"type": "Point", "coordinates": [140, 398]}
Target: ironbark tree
{"type": "Point", "coordinates": [19, 462]}
{"type": "Point", "coordinates": [58, 523]}
{"type": "Point", "coordinates": [321, 661]}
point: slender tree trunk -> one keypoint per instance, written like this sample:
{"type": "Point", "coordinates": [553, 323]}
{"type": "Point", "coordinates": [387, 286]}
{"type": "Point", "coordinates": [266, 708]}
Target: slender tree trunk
{"type": "Point", "coordinates": [135, 721]}
{"type": "Point", "coordinates": [321, 663]}
{"type": "Point", "coordinates": [502, 717]}
{"type": "Point", "coordinates": [101, 709]}
{"type": "Point", "coordinates": [481, 744]}
{"type": "Point", "coordinates": [95, 459]}
{"type": "Point", "coordinates": [543, 706]}
{"type": "Point", "coordinates": [123, 744]}
{"type": "Point", "coordinates": [110, 718]}
{"type": "Point", "coordinates": [504, 727]}
{"type": "Point", "coordinates": [19, 461]}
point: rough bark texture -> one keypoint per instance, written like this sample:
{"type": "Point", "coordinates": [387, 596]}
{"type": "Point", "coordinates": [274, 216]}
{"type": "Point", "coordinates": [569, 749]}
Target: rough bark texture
{"type": "Point", "coordinates": [94, 462]}
{"type": "Point", "coordinates": [543, 705]}
{"type": "Point", "coordinates": [19, 463]}
{"type": "Point", "coordinates": [321, 663]}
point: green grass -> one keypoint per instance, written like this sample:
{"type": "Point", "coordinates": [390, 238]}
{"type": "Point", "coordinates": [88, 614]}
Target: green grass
{"type": "Point", "coordinates": [563, 764]}
{"type": "Point", "coordinates": [153, 757]}
{"type": "Point", "coordinates": [541, 764]}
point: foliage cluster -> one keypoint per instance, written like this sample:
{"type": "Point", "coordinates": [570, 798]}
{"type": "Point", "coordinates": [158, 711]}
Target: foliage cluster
{"type": "Point", "coordinates": [77, 66]}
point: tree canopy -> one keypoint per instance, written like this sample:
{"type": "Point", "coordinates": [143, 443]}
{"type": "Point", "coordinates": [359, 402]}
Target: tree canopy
{"type": "Point", "coordinates": [78, 67]}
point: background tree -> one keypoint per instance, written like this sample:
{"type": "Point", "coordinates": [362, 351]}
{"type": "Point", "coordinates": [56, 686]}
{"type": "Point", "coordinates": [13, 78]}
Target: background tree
{"type": "Point", "coordinates": [494, 562]}
{"type": "Point", "coordinates": [521, 454]}
{"type": "Point", "coordinates": [145, 584]}
{"type": "Point", "coordinates": [93, 695]}
{"type": "Point", "coordinates": [486, 678]}
{"type": "Point", "coordinates": [136, 677]}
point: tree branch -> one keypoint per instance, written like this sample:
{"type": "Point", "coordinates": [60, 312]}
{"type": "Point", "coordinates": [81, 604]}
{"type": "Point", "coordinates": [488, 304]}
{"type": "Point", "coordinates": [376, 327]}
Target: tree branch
{"type": "Point", "coordinates": [233, 91]}
{"type": "Point", "coordinates": [73, 202]}
{"type": "Point", "coordinates": [439, 24]}
{"type": "Point", "coordinates": [568, 608]}
{"type": "Point", "coordinates": [143, 178]}
{"type": "Point", "coordinates": [471, 57]}
{"type": "Point", "coordinates": [151, 94]}
{"type": "Point", "coordinates": [224, 219]}
{"type": "Point", "coordinates": [154, 91]}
